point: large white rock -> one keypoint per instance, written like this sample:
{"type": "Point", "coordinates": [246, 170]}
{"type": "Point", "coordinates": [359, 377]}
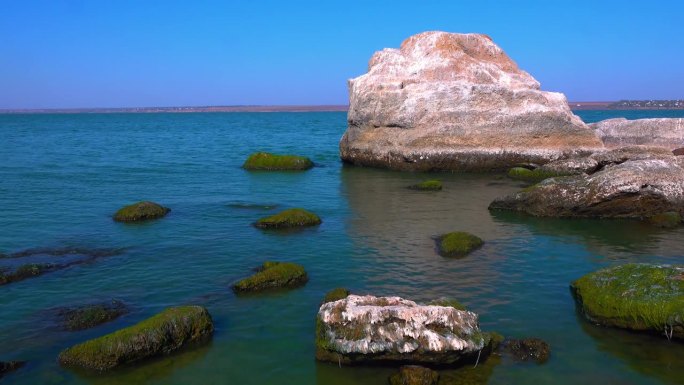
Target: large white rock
{"type": "Point", "coordinates": [662, 132]}
{"type": "Point", "coordinates": [361, 329]}
{"type": "Point", "coordinates": [446, 101]}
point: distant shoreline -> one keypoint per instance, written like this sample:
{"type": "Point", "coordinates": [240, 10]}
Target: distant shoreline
{"type": "Point", "coordinates": [578, 106]}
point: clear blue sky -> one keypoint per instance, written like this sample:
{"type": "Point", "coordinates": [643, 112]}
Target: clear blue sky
{"type": "Point", "coordinates": [89, 53]}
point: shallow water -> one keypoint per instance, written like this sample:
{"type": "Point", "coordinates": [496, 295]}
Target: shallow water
{"type": "Point", "coordinates": [62, 177]}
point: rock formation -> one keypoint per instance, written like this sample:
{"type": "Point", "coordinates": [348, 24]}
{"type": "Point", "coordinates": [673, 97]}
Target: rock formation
{"type": "Point", "coordinates": [668, 133]}
{"type": "Point", "coordinates": [367, 329]}
{"type": "Point", "coordinates": [447, 101]}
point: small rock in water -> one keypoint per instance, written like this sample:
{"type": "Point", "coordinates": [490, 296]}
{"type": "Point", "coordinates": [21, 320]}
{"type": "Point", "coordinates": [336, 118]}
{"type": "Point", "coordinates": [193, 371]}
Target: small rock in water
{"type": "Point", "coordinates": [273, 275]}
{"type": "Point", "coordinates": [414, 375]}
{"type": "Point", "coordinates": [88, 316]}
{"type": "Point", "coordinates": [271, 162]}
{"type": "Point", "coordinates": [428, 185]}
{"type": "Point", "coordinates": [289, 219]}
{"type": "Point", "coordinates": [458, 244]}
{"type": "Point", "coordinates": [141, 211]}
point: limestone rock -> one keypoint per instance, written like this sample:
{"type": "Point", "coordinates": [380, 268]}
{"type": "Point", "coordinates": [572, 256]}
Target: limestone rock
{"type": "Point", "coordinates": [633, 189]}
{"type": "Point", "coordinates": [447, 101]}
{"type": "Point", "coordinates": [368, 329]}
{"type": "Point", "coordinates": [661, 132]}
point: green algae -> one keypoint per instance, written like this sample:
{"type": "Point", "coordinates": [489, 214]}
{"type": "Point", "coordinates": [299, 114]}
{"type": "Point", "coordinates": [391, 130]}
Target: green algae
{"type": "Point", "coordinates": [458, 244]}
{"type": "Point", "coordinates": [536, 175]}
{"type": "Point", "coordinates": [336, 294]}
{"type": "Point", "coordinates": [273, 275]}
{"type": "Point", "coordinates": [274, 162]}
{"type": "Point", "coordinates": [88, 316]}
{"type": "Point", "coordinates": [639, 297]}
{"type": "Point", "coordinates": [289, 218]}
{"type": "Point", "coordinates": [666, 220]}
{"type": "Point", "coordinates": [140, 211]}
{"type": "Point", "coordinates": [428, 185]}
{"type": "Point", "coordinates": [164, 333]}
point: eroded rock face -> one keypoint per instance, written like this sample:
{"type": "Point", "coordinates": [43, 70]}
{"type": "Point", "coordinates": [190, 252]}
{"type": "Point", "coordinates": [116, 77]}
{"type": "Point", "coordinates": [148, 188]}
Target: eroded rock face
{"type": "Point", "coordinates": [662, 132]}
{"type": "Point", "coordinates": [446, 101]}
{"type": "Point", "coordinates": [366, 329]}
{"type": "Point", "coordinates": [633, 189]}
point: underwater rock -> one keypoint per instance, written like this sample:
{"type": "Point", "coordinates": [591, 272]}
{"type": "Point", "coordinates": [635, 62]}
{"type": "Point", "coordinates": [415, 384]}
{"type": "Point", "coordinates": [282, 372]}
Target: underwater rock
{"type": "Point", "coordinates": [336, 294]}
{"type": "Point", "coordinates": [428, 185]}
{"type": "Point", "coordinates": [88, 316]}
{"type": "Point", "coordinates": [449, 101]}
{"type": "Point", "coordinates": [369, 329]}
{"type": "Point", "coordinates": [458, 244]}
{"type": "Point", "coordinates": [164, 333]}
{"type": "Point", "coordinates": [273, 275]}
{"type": "Point", "coordinates": [661, 132]}
{"type": "Point", "coordinates": [528, 349]}
{"type": "Point", "coordinates": [29, 270]}
{"type": "Point", "coordinates": [414, 375]}
{"type": "Point", "coordinates": [640, 297]}
{"type": "Point", "coordinates": [633, 189]}
{"type": "Point", "coordinates": [288, 219]}
{"type": "Point", "coordinates": [10, 366]}
{"type": "Point", "coordinates": [666, 220]}
{"type": "Point", "coordinates": [141, 211]}
{"type": "Point", "coordinates": [273, 162]}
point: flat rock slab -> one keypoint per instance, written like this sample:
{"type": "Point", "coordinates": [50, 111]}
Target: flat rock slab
{"type": "Point", "coordinates": [662, 132]}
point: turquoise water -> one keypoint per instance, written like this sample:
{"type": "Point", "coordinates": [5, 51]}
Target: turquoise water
{"type": "Point", "coordinates": [62, 177]}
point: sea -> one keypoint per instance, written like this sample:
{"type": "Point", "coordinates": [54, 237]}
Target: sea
{"type": "Point", "coordinates": [62, 176]}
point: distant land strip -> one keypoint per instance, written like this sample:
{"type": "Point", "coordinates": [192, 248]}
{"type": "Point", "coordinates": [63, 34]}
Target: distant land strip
{"type": "Point", "coordinates": [619, 105]}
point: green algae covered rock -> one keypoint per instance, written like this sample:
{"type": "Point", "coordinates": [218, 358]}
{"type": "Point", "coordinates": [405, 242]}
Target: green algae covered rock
{"type": "Point", "coordinates": [428, 185]}
{"type": "Point", "coordinates": [641, 297]}
{"type": "Point", "coordinates": [88, 316]}
{"type": "Point", "coordinates": [288, 219]}
{"type": "Point", "coordinates": [273, 275]}
{"type": "Point", "coordinates": [458, 244]}
{"type": "Point", "coordinates": [536, 175]}
{"type": "Point", "coordinates": [666, 220]}
{"type": "Point", "coordinates": [414, 375]}
{"type": "Point", "coordinates": [336, 294]}
{"type": "Point", "coordinates": [141, 211]}
{"type": "Point", "coordinates": [166, 332]}
{"type": "Point", "coordinates": [273, 162]}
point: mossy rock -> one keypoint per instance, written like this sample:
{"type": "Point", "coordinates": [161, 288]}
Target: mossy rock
{"type": "Point", "coordinates": [88, 316]}
{"type": "Point", "coordinates": [458, 244]}
{"type": "Point", "coordinates": [10, 366]}
{"type": "Point", "coordinates": [164, 333]}
{"type": "Point", "coordinates": [288, 219]}
{"type": "Point", "coordinates": [414, 375]}
{"type": "Point", "coordinates": [666, 220]}
{"type": "Point", "coordinates": [336, 294]}
{"type": "Point", "coordinates": [141, 211]}
{"type": "Point", "coordinates": [273, 275]}
{"type": "Point", "coordinates": [641, 297]}
{"type": "Point", "coordinates": [29, 270]}
{"type": "Point", "coordinates": [448, 302]}
{"type": "Point", "coordinates": [528, 349]}
{"type": "Point", "coordinates": [536, 175]}
{"type": "Point", "coordinates": [428, 185]}
{"type": "Point", "coordinates": [273, 162]}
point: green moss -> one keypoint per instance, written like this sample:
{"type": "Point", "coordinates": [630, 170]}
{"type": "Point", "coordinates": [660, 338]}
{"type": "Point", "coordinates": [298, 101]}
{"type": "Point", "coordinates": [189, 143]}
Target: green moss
{"type": "Point", "coordinates": [414, 375]}
{"type": "Point", "coordinates": [273, 275]}
{"type": "Point", "coordinates": [23, 272]}
{"type": "Point", "coordinates": [273, 162]}
{"type": "Point", "coordinates": [88, 316]}
{"type": "Point", "coordinates": [458, 244]}
{"type": "Point", "coordinates": [289, 218]}
{"type": "Point", "coordinates": [336, 294]}
{"type": "Point", "coordinates": [666, 220]}
{"type": "Point", "coordinates": [140, 211]}
{"type": "Point", "coordinates": [634, 296]}
{"type": "Point", "coordinates": [428, 185]}
{"type": "Point", "coordinates": [448, 302]}
{"type": "Point", "coordinates": [161, 334]}
{"type": "Point", "coordinates": [528, 175]}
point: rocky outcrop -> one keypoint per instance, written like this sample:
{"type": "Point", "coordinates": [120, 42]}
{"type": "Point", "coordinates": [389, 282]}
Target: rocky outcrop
{"type": "Point", "coordinates": [446, 101]}
{"type": "Point", "coordinates": [368, 329]}
{"type": "Point", "coordinates": [662, 132]}
{"type": "Point", "coordinates": [633, 189]}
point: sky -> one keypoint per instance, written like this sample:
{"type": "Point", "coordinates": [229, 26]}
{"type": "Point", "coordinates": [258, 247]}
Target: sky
{"type": "Point", "coordinates": [77, 53]}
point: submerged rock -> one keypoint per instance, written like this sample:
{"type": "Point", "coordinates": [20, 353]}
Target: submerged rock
{"type": "Point", "coordinates": [29, 270]}
{"type": "Point", "coordinates": [528, 349]}
{"type": "Point", "coordinates": [336, 294]}
{"type": "Point", "coordinates": [164, 333]}
{"type": "Point", "coordinates": [661, 132]}
{"type": "Point", "coordinates": [273, 275]}
{"type": "Point", "coordinates": [273, 162]}
{"type": "Point", "coordinates": [141, 211]}
{"type": "Point", "coordinates": [458, 244]}
{"type": "Point", "coordinates": [666, 220]}
{"type": "Point", "coordinates": [414, 375]}
{"type": "Point", "coordinates": [289, 218]}
{"type": "Point", "coordinates": [368, 329]}
{"type": "Point", "coordinates": [88, 316]}
{"type": "Point", "coordinates": [639, 297]}
{"type": "Point", "coordinates": [428, 185]}
{"type": "Point", "coordinates": [633, 189]}
{"type": "Point", "coordinates": [10, 366]}
{"type": "Point", "coordinates": [448, 101]}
